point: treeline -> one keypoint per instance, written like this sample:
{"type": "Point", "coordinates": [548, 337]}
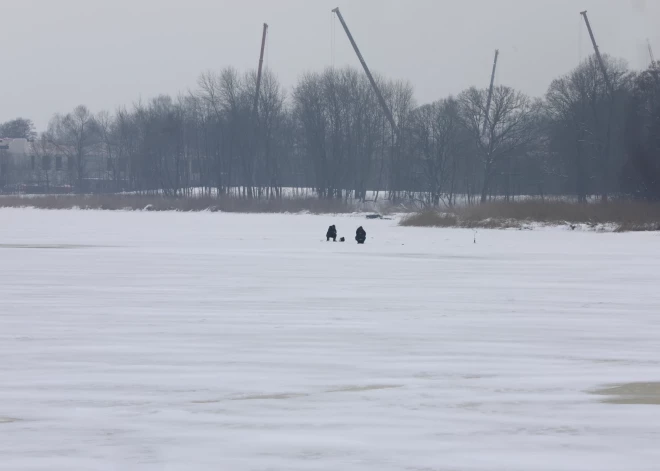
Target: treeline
{"type": "Point", "coordinates": [329, 133]}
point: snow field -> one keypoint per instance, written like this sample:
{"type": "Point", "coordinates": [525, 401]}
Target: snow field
{"type": "Point", "coordinates": [205, 341]}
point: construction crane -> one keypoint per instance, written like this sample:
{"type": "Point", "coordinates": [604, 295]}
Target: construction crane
{"type": "Point", "coordinates": [610, 91]}
{"type": "Point", "coordinates": [490, 91]}
{"type": "Point", "coordinates": [261, 63]}
{"type": "Point", "coordinates": [382, 101]}
{"type": "Point", "coordinates": [648, 42]}
{"type": "Point", "coordinates": [598, 56]}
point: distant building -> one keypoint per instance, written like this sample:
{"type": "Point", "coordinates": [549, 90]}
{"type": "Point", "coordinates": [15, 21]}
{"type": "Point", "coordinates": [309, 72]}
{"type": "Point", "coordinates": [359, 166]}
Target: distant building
{"type": "Point", "coordinates": [13, 153]}
{"type": "Point", "coordinates": [32, 167]}
{"type": "Point", "coordinates": [42, 167]}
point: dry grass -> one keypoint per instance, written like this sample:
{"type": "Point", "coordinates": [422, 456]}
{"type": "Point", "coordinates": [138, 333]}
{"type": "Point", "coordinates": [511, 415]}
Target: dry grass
{"type": "Point", "coordinates": [622, 215]}
{"type": "Point", "coordinates": [430, 219]}
{"type": "Point", "coordinates": [161, 203]}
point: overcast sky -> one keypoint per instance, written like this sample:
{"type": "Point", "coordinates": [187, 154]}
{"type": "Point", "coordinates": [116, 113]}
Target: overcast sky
{"type": "Point", "coordinates": [57, 54]}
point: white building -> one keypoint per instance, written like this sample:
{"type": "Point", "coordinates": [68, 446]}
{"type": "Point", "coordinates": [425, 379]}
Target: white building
{"type": "Point", "coordinates": [15, 147]}
{"type": "Point", "coordinates": [13, 152]}
{"type": "Point", "coordinates": [23, 169]}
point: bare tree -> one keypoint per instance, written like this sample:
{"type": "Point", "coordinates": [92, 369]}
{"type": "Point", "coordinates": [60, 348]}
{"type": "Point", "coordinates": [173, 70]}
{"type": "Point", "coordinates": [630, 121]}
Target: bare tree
{"type": "Point", "coordinates": [640, 175]}
{"type": "Point", "coordinates": [19, 128]}
{"type": "Point", "coordinates": [270, 128]}
{"type": "Point", "coordinates": [400, 96]}
{"type": "Point", "coordinates": [76, 135]}
{"type": "Point", "coordinates": [342, 131]}
{"type": "Point", "coordinates": [437, 132]}
{"type": "Point", "coordinates": [509, 131]}
{"type": "Point", "coordinates": [587, 123]}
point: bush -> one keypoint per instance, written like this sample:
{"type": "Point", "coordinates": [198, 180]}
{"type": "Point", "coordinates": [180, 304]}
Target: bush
{"type": "Point", "coordinates": [623, 215]}
{"type": "Point", "coordinates": [430, 219]}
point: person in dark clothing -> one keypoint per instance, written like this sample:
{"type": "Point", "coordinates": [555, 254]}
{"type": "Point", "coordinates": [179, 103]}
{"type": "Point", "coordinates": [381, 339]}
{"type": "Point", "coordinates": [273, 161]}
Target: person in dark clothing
{"type": "Point", "coordinates": [331, 234]}
{"type": "Point", "coordinates": [360, 235]}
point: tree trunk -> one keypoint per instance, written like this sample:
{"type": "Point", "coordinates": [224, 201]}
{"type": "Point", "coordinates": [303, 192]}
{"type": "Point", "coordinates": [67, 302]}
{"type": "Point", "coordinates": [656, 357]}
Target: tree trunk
{"type": "Point", "coordinates": [486, 185]}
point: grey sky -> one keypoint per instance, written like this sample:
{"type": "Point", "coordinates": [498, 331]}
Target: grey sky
{"type": "Point", "coordinates": [57, 54]}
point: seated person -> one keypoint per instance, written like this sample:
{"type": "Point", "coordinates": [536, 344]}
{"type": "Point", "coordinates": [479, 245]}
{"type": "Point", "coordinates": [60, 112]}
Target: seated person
{"type": "Point", "coordinates": [360, 235]}
{"type": "Point", "coordinates": [331, 234]}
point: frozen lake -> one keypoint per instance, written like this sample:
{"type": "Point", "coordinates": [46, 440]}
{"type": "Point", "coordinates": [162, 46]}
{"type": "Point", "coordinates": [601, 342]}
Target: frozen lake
{"type": "Point", "coordinates": [207, 341]}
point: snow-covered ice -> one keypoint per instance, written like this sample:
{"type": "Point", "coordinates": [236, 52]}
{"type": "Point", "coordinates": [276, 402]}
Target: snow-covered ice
{"type": "Point", "coordinates": [208, 341]}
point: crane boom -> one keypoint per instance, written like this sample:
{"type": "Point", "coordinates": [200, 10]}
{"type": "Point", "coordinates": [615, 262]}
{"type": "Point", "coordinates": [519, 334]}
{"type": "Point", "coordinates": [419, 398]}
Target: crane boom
{"type": "Point", "coordinates": [261, 63]}
{"type": "Point", "coordinates": [610, 91]}
{"type": "Point", "coordinates": [598, 56]}
{"type": "Point", "coordinates": [490, 90]}
{"type": "Point", "coordinates": [381, 100]}
{"type": "Point", "coordinates": [648, 42]}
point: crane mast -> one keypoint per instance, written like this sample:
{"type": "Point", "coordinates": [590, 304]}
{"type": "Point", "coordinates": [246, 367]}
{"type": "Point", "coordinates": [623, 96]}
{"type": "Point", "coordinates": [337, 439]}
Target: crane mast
{"type": "Point", "coordinates": [490, 91]}
{"type": "Point", "coordinates": [598, 56]}
{"type": "Point", "coordinates": [381, 100]}
{"type": "Point", "coordinates": [261, 63]}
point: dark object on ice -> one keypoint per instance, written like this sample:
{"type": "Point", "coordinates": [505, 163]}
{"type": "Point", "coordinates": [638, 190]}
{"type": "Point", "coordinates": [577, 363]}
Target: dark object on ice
{"type": "Point", "coordinates": [331, 234]}
{"type": "Point", "coordinates": [342, 240]}
{"type": "Point", "coordinates": [360, 235]}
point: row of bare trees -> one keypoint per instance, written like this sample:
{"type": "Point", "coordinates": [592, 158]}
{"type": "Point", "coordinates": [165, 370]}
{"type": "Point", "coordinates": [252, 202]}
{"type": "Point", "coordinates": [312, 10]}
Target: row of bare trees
{"type": "Point", "coordinates": [330, 135]}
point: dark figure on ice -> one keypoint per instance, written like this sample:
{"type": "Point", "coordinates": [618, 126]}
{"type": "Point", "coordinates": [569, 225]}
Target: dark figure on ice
{"type": "Point", "coordinates": [360, 235]}
{"type": "Point", "coordinates": [331, 234]}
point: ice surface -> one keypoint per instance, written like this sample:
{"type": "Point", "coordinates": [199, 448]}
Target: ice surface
{"type": "Point", "coordinates": [208, 341]}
